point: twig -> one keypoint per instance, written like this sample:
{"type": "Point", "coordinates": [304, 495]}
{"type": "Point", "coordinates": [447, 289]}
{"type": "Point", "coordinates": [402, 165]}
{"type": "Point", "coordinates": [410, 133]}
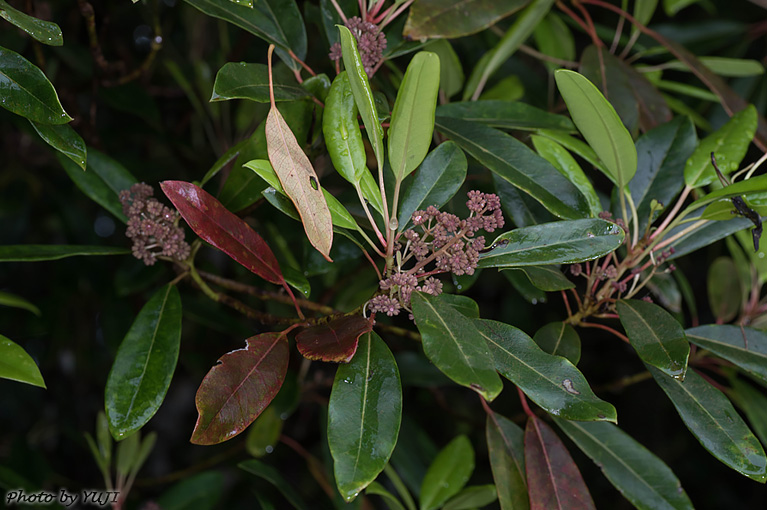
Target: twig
{"type": "Point", "coordinates": [606, 328]}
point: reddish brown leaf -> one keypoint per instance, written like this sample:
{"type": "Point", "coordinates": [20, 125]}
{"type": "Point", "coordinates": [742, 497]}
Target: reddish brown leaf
{"type": "Point", "coordinates": [215, 224]}
{"type": "Point", "coordinates": [235, 391]}
{"type": "Point", "coordinates": [553, 479]}
{"type": "Point", "coordinates": [335, 341]}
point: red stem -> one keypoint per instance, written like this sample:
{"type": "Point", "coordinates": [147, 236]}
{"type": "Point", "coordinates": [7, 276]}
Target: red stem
{"type": "Point", "coordinates": [526, 407]}
{"type": "Point", "coordinates": [592, 31]}
{"type": "Point", "coordinates": [606, 328]}
{"type": "Point", "coordinates": [567, 303]}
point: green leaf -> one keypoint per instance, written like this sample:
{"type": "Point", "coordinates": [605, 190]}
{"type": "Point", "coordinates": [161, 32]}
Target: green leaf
{"type": "Point", "coordinates": [753, 186]}
{"type": "Point", "coordinates": [144, 364]}
{"type": "Point", "coordinates": [600, 126]}
{"type": "Point", "coordinates": [712, 419]}
{"type": "Point", "coordinates": [251, 81]}
{"type": "Point", "coordinates": [276, 21]}
{"type": "Point", "coordinates": [447, 475]}
{"type": "Point", "coordinates": [554, 38]}
{"type": "Point", "coordinates": [271, 475]}
{"type": "Point", "coordinates": [363, 96]}
{"type": "Point", "coordinates": [199, 492]}
{"type": "Point", "coordinates": [40, 252]}
{"type": "Point", "coordinates": [729, 145]}
{"type": "Point", "coordinates": [8, 299]}
{"type": "Point", "coordinates": [724, 292]}
{"type": "Point", "coordinates": [516, 163]}
{"type": "Point", "coordinates": [561, 159]}
{"type": "Point", "coordinates": [127, 453]}
{"type": "Point", "coordinates": [412, 119]}
{"type": "Point", "coordinates": [546, 278]}
{"type": "Point", "coordinates": [559, 339]}
{"type": "Point", "coordinates": [379, 490]}
{"type": "Point", "coordinates": [550, 381]}
{"type": "Point", "coordinates": [506, 449]}
{"type": "Point", "coordinates": [436, 181]}
{"type": "Point", "coordinates": [506, 115]}
{"type": "Point", "coordinates": [723, 66]}
{"type": "Point", "coordinates": [65, 140]}
{"type": "Point", "coordinates": [17, 365]}
{"type": "Point", "coordinates": [574, 145]}
{"type": "Point", "coordinates": [754, 405]}
{"type": "Point", "coordinates": [27, 92]}
{"type": "Point", "coordinates": [704, 235]}
{"type": "Point", "coordinates": [41, 31]}
{"type": "Point", "coordinates": [641, 477]}
{"type": "Point", "coordinates": [746, 348]}
{"type": "Point", "coordinates": [523, 209]}
{"type": "Point", "coordinates": [657, 337]}
{"type": "Point", "coordinates": [527, 290]}
{"type": "Point", "coordinates": [449, 19]}
{"type": "Point", "coordinates": [364, 415]}
{"type": "Point", "coordinates": [264, 433]}
{"type": "Point", "coordinates": [465, 305]}
{"type": "Point", "coordinates": [450, 71]}
{"type": "Point", "coordinates": [102, 181]}
{"type": "Point", "coordinates": [340, 127]}
{"type": "Point", "coordinates": [474, 496]}
{"type": "Point", "coordinates": [453, 343]}
{"type": "Point", "coordinates": [559, 242]}
{"type": "Point", "coordinates": [507, 89]}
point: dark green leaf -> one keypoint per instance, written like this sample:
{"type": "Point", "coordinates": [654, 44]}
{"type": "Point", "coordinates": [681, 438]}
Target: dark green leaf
{"type": "Point", "coordinates": [465, 305]}
{"type": "Point", "coordinates": [127, 453]}
{"type": "Point", "coordinates": [641, 477]}
{"type": "Point", "coordinates": [552, 382]}
{"type": "Point", "coordinates": [379, 490]}
{"type": "Point", "coordinates": [65, 140]}
{"type": "Point", "coordinates": [224, 160]}
{"type": "Point", "coordinates": [546, 278]}
{"type": "Point", "coordinates": [271, 475]}
{"type": "Point", "coordinates": [450, 18]}
{"type": "Point", "coordinates": [723, 66]}
{"type": "Point", "coordinates": [523, 209]}
{"type": "Point", "coordinates": [746, 348]}
{"type": "Point", "coordinates": [450, 70]}
{"type": "Point", "coordinates": [712, 419]}
{"type": "Point", "coordinates": [39, 252]}
{"type": "Point", "coordinates": [144, 364]}
{"type": "Point", "coordinates": [506, 115]}
{"type": "Point", "coordinates": [559, 339]}
{"type": "Point", "coordinates": [724, 292]}
{"type": "Point", "coordinates": [704, 235]}
{"type": "Point", "coordinates": [527, 290]}
{"type": "Point", "coordinates": [199, 492]}
{"type": "Point", "coordinates": [656, 336]}
{"type": "Point", "coordinates": [447, 474]}
{"type": "Point", "coordinates": [41, 31]}
{"type": "Point", "coordinates": [506, 449]}
{"type": "Point", "coordinates": [554, 38]}
{"type": "Point", "coordinates": [754, 405]}
{"type": "Point", "coordinates": [331, 18]}
{"type": "Point", "coordinates": [574, 145]}
{"type": "Point", "coordinates": [17, 365]}
{"type": "Point", "coordinates": [364, 415]}
{"type": "Point", "coordinates": [8, 299]}
{"type": "Point", "coordinates": [474, 496]}
{"type": "Point", "coordinates": [754, 187]}
{"type": "Point", "coordinates": [453, 343]}
{"type": "Point", "coordinates": [560, 242]}
{"type": "Point", "coordinates": [264, 433]}
{"type": "Point", "coordinates": [251, 81]}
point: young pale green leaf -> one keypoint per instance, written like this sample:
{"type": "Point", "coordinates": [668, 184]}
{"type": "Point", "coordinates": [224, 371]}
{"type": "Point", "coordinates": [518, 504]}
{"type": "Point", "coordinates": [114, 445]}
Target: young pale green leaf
{"type": "Point", "coordinates": [412, 120]}
{"type": "Point", "coordinates": [271, 475]}
{"type": "Point", "coordinates": [40, 252]}
{"type": "Point", "coordinates": [436, 181]}
{"type": "Point", "coordinates": [517, 164]}
{"type": "Point", "coordinates": [546, 278]}
{"type": "Point", "coordinates": [554, 38]}
{"type": "Point", "coordinates": [363, 96]}
{"type": "Point", "coordinates": [127, 453]}
{"type": "Point", "coordinates": [754, 405]}
{"type": "Point", "coordinates": [448, 19]}
{"type": "Point", "coordinates": [724, 290]}
{"type": "Point", "coordinates": [144, 364]}
{"type": "Point", "coordinates": [600, 126]}
{"type": "Point", "coordinates": [379, 490]}
{"type": "Point", "coordinates": [506, 448]}
{"type": "Point", "coordinates": [559, 339]}
{"type": "Point", "coordinates": [65, 140]}
{"type": "Point", "coordinates": [656, 336]}
{"type": "Point", "coordinates": [450, 70]}
{"type": "Point", "coordinates": [559, 242]}
{"type": "Point", "coordinates": [641, 477]}
{"type": "Point", "coordinates": [453, 343]}
{"type": "Point", "coordinates": [723, 66]}
{"type": "Point", "coordinates": [746, 348]}
{"type": "Point", "coordinates": [251, 81]}
{"type": "Point", "coordinates": [447, 474]}
{"type": "Point", "coordinates": [729, 145]}
{"type": "Point", "coordinates": [17, 365]}
{"type": "Point", "coordinates": [340, 127]}
{"type": "Point", "coordinates": [41, 31]}
{"type": "Point", "coordinates": [264, 433]}
{"type": "Point", "coordinates": [753, 186]}
{"type": "Point", "coordinates": [27, 92]}
{"type": "Point", "coordinates": [711, 418]}
{"type": "Point", "coordinates": [561, 159]}
{"type": "Point", "coordinates": [552, 382]}
{"type": "Point", "coordinates": [506, 115]}
{"type": "Point", "coordinates": [8, 299]}
{"type": "Point", "coordinates": [364, 415]}
{"type": "Point", "coordinates": [474, 496]}
{"type": "Point", "coordinates": [199, 492]}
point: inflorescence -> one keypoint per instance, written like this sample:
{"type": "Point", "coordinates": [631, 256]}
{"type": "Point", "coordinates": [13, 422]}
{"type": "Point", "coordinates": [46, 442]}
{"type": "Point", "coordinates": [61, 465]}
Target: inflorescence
{"type": "Point", "coordinates": [443, 239]}
{"type": "Point", "coordinates": [371, 43]}
{"type": "Point", "coordinates": [152, 226]}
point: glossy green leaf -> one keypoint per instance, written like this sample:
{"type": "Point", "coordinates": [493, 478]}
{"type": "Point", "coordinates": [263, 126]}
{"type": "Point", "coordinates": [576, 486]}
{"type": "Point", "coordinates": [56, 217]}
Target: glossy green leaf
{"type": "Point", "coordinates": [412, 119]}
{"type": "Point", "coordinates": [340, 127]}
{"type": "Point", "coordinates": [559, 339]}
{"type": "Point", "coordinates": [516, 163]}
{"type": "Point", "coordinates": [641, 477]}
{"type": "Point", "coordinates": [559, 242]}
{"type": "Point", "coordinates": [40, 252]}
{"type": "Point", "coordinates": [264, 433]}
{"type": "Point", "coordinates": [251, 81]}
{"type": "Point", "coordinates": [506, 449]}
{"type": "Point", "coordinates": [370, 191]}
{"type": "Point", "coordinates": [506, 115]}
{"type": "Point", "coordinates": [26, 91]}
{"type": "Point", "coordinates": [276, 21]}
{"type": "Point", "coordinates": [102, 180]}
{"type": "Point", "coordinates": [729, 145]}
{"type": "Point", "coordinates": [465, 305]}
{"type": "Point", "coordinates": [450, 70]}
{"type": "Point", "coordinates": [363, 96]}
{"type": "Point", "coordinates": [448, 474]}
{"type": "Point", "coordinates": [723, 66]}
{"type": "Point", "coordinates": [753, 186]}
{"type": "Point", "coordinates": [144, 364]}
{"type": "Point", "coordinates": [724, 291]}
{"type": "Point", "coordinates": [65, 140]}
{"type": "Point", "coordinates": [561, 159]}
{"type": "Point", "coordinates": [199, 492]}
{"type": "Point", "coordinates": [521, 207]}
{"type": "Point", "coordinates": [576, 146]}
{"type": "Point", "coordinates": [723, 210]}
{"type": "Point", "coordinates": [432, 19]}
{"type": "Point", "coordinates": [17, 365]}
{"type": "Point", "coordinates": [271, 475]}
{"type": "Point", "coordinates": [754, 405]}
{"type": "Point", "coordinates": [746, 348]}
{"type": "Point", "coordinates": [527, 290]}
{"type": "Point", "coordinates": [453, 343]}
{"type": "Point", "coordinates": [550, 381]}
{"type": "Point", "coordinates": [704, 235]}
{"type": "Point", "coordinates": [8, 299]}
{"type": "Point", "coordinates": [546, 278]}
{"type": "Point", "coordinates": [364, 415]}
{"type": "Point", "coordinates": [600, 126]}
{"type": "Point", "coordinates": [554, 38]}
{"type": "Point", "coordinates": [41, 31]}
{"type": "Point", "coordinates": [711, 418]}
{"type": "Point", "coordinates": [435, 182]}
{"type": "Point", "coordinates": [657, 337]}
{"type": "Point", "coordinates": [508, 89]}
{"type": "Point", "coordinates": [474, 496]}
{"type": "Point", "coordinates": [379, 490]}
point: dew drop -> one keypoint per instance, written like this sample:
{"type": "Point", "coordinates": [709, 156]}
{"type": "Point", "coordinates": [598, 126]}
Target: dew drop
{"type": "Point", "coordinates": [269, 449]}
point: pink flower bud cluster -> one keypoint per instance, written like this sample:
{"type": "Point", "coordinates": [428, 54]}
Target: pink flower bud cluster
{"type": "Point", "coordinates": [371, 43]}
{"type": "Point", "coordinates": [151, 226]}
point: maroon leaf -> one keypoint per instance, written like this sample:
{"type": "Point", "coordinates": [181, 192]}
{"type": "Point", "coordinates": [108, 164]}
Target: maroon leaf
{"type": "Point", "coordinates": [215, 224]}
{"type": "Point", "coordinates": [553, 479]}
{"type": "Point", "coordinates": [235, 391]}
{"type": "Point", "coordinates": [335, 341]}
